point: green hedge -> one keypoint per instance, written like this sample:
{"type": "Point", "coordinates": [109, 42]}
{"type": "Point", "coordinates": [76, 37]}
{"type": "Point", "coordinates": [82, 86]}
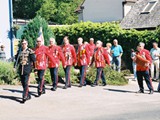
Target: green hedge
{"type": "Point", "coordinates": [112, 77]}
{"type": "Point", "coordinates": [107, 32]}
{"type": "Point", "coordinates": [8, 75]}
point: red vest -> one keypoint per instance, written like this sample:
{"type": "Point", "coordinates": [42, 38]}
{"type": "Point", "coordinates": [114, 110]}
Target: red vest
{"type": "Point", "coordinates": [101, 57]}
{"type": "Point", "coordinates": [69, 54]}
{"type": "Point", "coordinates": [91, 48]}
{"type": "Point", "coordinates": [147, 55]}
{"type": "Point", "coordinates": [57, 54]}
{"type": "Point", "coordinates": [83, 57]}
{"type": "Point", "coordinates": [42, 53]}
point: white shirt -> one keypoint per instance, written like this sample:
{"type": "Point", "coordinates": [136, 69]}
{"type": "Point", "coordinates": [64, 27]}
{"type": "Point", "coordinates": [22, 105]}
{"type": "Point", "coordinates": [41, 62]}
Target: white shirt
{"type": "Point", "coordinates": [155, 52]}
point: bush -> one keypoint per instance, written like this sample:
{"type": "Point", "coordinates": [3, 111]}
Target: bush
{"type": "Point", "coordinates": [112, 77]}
{"type": "Point", "coordinates": [8, 75]}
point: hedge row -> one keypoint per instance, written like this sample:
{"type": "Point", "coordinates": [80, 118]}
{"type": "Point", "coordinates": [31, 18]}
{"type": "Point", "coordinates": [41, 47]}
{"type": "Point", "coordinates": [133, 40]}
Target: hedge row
{"type": "Point", "coordinates": [106, 32]}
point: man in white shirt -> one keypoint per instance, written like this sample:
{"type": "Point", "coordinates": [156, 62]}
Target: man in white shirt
{"type": "Point", "coordinates": [155, 54]}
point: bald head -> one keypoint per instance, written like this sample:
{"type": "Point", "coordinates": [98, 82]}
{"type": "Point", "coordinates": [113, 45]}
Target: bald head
{"type": "Point", "coordinates": [80, 41]}
{"type": "Point", "coordinates": [99, 43]}
{"type": "Point", "coordinates": [52, 41]}
{"type": "Point", "coordinates": [115, 42]}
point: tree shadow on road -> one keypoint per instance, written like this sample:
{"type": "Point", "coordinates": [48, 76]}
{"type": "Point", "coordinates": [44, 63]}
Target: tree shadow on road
{"type": "Point", "coordinates": [122, 91]}
{"type": "Point", "coordinates": [17, 99]}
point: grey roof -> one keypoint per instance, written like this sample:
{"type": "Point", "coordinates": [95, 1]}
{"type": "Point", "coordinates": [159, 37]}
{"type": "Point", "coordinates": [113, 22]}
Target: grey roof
{"type": "Point", "coordinates": [130, 0]}
{"type": "Point", "coordinates": [135, 19]}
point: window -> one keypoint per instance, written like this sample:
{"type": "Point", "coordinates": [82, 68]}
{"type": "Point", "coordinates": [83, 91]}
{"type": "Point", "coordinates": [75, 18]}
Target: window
{"type": "Point", "coordinates": [149, 7]}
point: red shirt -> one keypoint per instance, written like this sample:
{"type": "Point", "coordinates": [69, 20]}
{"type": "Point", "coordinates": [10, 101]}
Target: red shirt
{"type": "Point", "coordinates": [69, 54]}
{"type": "Point", "coordinates": [147, 55]}
{"type": "Point", "coordinates": [42, 53]}
{"type": "Point", "coordinates": [57, 54]}
{"type": "Point", "coordinates": [83, 57]}
{"type": "Point", "coordinates": [91, 47]}
{"type": "Point", "coordinates": [101, 58]}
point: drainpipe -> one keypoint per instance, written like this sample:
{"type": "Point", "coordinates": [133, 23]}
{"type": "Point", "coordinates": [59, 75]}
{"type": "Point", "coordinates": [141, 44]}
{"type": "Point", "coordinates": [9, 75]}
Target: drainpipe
{"type": "Point", "coordinates": [11, 32]}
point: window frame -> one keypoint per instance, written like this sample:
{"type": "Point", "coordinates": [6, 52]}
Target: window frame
{"type": "Point", "coordinates": [151, 1]}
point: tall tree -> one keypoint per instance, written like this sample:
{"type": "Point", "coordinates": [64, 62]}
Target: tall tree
{"type": "Point", "coordinates": [26, 9]}
{"type": "Point", "coordinates": [60, 11]}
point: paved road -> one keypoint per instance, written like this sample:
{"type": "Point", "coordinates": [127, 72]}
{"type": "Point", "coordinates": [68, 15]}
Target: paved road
{"type": "Point", "coordinates": [98, 103]}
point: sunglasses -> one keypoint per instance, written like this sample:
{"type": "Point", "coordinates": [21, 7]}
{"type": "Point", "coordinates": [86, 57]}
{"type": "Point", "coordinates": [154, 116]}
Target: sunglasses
{"type": "Point", "coordinates": [38, 41]}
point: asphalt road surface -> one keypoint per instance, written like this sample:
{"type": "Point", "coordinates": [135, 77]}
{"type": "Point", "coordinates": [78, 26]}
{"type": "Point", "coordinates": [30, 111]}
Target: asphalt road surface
{"type": "Point", "coordinates": [87, 103]}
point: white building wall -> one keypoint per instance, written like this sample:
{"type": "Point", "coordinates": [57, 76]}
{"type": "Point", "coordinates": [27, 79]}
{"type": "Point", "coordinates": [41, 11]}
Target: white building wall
{"type": "Point", "coordinates": [5, 26]}
{"type": "Point", "coordinates": [102, 10]}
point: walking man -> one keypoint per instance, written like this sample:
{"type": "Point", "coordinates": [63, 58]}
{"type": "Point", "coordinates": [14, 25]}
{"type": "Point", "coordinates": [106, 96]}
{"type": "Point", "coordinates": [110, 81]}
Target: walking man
{"type": "Point", "coordinates": [117, 52]}
{"type": "Point", "coordinates": [42, 53]}
{"type": "Point", "coordinates": [25, 58]}
{"type": "Point", "coordinates": [70, 59]}
{"type": "Point", "coordinates": [83, 60]}
{"type": "Point", "coordinates": [143, 56]}
{"type": "Point", "coordinates": [57, 55]}
{"type": "Point", "coordinates": [100, 58]}
{"type": "Point", "coordinates": [155, 54]}
{"type": "Point", "coordinates": [91, 47]}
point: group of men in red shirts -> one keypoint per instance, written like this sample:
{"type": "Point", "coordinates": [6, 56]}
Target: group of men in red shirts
{"type": "Point", "coordinates": [82, 58]}
{"type": "Point", "coordinates": [85, 55]}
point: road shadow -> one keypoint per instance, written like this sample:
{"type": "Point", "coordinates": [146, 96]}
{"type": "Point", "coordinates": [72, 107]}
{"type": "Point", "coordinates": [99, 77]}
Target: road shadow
{"type": "Point", "coordinates": [17, 99]}
{"type": "Point", "coordinates": [117, 90]}
{"type": "Point", "coordinates": [20, 91]}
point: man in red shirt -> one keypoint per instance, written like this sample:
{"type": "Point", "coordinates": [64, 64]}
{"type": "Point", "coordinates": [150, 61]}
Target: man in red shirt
{"type": "Point", "coordinates": [82, 60]}
{"type": "Point", "coordinates": [100, 58]}
{"type": "Point", "coordinates": [57, 55]}
{"type": "Point", "coordinates": [41, 53]}
{"type": "Point", "coordinates": [70, 59]}
{"type": "Point", "coordinates": [143, 70]}
{"type": "Point", "coordinates": [91, 47]}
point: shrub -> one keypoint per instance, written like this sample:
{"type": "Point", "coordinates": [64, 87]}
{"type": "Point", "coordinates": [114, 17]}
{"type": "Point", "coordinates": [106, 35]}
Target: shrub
{"type": "Point", "coordinates": [8, 75]}
{"type": "Point", "coordinates": [112, 77]}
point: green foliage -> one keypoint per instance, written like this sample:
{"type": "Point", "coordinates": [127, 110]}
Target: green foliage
{"type": "Point", "coordinates": [32, 30]}
{"type": "Point", "coordinates": [26, 9]}
{"type": "Point", "coordinates": [8, 75]}
{"type": "Point", "coordinates": [60, 11]}
{"type": "Point", "coordinates": [112, 77]}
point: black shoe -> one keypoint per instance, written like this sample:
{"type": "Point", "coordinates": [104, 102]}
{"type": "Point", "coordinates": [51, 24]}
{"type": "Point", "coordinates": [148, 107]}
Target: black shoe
{"type": "Point", "coordinates": [94, 85]}
{"type": "Point", "coordinates": [39, 93]}
{"type": "Point", "coordinates": [158, 91]}
{"type": "Point", "coordinates": [151, 92]}
{"type": "Point", "coordinates": [65, 87]}
{"type": "Point", "coordinates": [26, 98]}
{"type": "Point", "coordinates": [69, 86]}
{"type": "Point", "coordinates": [54, 88]}
{"type": "Point", "coordinates": [140, 91]}
{"type": "Point", "coordinates": [104, 84]}
{"type": "Point", "coordinates": [43, 92]}
{"type": "Point", "coordinates": [80, 86]}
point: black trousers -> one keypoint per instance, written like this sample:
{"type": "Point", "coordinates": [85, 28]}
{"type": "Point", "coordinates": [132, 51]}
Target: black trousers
{"type": "Point", "coordinates": [83, 70]}
{"type": "Point", "coordinates": [67, 75]}
{"type": "Point", "coordinates": [54, 76]}
{"type": "Point", "coordinates": [100, 75]}
{"type": "Point", "coordinates": [145, 74]}
{"type": "Point", "coordinates": [25, 84]}
{"type": "Point", "coordinates": [41, 85]}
